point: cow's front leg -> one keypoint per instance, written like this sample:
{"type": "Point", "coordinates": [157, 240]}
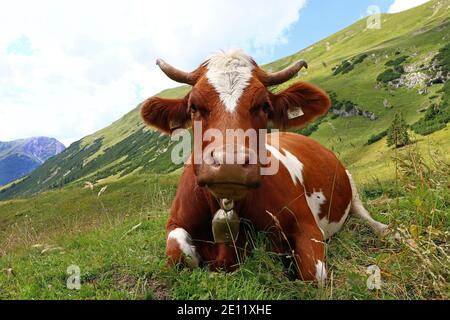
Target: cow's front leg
{"type": "Point", "coordinates": [189, 211]}
{"type": "Point", "coordinates": [310, 255]}
{"type": "Point", "coordinates": [180, 248]}
{"type": "Point", "coordinates": [225, 258]}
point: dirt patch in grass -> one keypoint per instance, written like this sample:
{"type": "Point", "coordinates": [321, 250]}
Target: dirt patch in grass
{"type": "Point", "coordinates": [159, 289]}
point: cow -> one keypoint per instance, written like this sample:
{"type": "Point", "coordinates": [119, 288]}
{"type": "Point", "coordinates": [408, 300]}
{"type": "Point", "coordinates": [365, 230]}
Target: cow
{"type": "Point", "coordinates": [300, 206]}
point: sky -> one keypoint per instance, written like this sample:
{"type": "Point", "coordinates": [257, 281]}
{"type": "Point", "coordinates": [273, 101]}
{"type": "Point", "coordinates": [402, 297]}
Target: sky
{"type": "Point", "coordinates": [70, 68]}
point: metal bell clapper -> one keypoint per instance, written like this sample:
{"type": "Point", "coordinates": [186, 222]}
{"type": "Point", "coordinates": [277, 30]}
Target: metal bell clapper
{"type": "Point", "coordinates": [225, 224]}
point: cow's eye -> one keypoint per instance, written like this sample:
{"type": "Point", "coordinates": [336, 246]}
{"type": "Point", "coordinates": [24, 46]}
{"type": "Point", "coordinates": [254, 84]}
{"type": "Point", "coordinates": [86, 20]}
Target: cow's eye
{"type": "Point", "coordinates": [264, 107]}
{"type": "Point", "coordinates": [198, 111]}
{"type": "Point", "coordinates": [194, 108]}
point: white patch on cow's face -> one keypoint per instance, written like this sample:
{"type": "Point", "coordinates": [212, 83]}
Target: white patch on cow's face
{"type": "Point", "coordinates": [321, 273]}
{"type": "Point", "coordinates": [291, 162]}
{"type": "Point", "coordinates": [184, 240]}
{"type": "Point", "coordinates": [229, 74]}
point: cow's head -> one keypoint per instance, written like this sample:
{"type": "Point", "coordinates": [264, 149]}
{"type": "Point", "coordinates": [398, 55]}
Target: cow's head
{"type": "Point", "coordinates": [229, 92]}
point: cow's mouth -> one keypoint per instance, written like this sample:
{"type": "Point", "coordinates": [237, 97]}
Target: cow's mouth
{"type": "Point", "coordinates": [229, 181]}
{"type": "Point", "coordinates": [230, 190]}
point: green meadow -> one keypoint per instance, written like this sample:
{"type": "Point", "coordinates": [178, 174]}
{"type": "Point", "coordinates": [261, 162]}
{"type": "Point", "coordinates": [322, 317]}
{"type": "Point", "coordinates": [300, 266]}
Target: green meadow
{"type": "Point", "coordinates": [117, 240]}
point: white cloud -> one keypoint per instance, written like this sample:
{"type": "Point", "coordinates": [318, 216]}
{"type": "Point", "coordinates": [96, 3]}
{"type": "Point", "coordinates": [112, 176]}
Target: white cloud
{"type": "Point", "coordinates": [91, 60]}
{"type": "Point", "coordinates": [402, 5]}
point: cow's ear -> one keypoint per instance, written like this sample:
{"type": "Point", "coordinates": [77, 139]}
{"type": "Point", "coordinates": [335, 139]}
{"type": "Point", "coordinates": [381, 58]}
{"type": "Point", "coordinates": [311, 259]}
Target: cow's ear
{"type": "Point", "coordinates": [166, 115]}
{"type": "Point", "coordinates": [297, 105]}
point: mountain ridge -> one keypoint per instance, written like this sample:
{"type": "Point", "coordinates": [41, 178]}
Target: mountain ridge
{"type": "Point", "coordinates": [19, 157]}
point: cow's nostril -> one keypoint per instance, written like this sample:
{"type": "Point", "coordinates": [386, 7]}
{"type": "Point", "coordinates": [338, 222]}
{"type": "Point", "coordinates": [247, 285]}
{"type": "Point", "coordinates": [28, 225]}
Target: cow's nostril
{"type": "Point", "coordinates": [247, 161]}
{"type": "Point", "coordinates": [215, 161]}
{"type": "Point", "coordinates": [219, 156]}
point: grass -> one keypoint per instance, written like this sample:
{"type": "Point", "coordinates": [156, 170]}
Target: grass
{"type": "Point", "coordinates": [119, 245]}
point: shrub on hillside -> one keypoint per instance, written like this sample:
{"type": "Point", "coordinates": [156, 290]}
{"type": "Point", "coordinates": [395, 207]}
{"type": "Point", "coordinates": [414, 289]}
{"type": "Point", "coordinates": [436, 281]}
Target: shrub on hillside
{"type": "Point", "coordinates": [344, 67]}
{"type": "Point", "coordinates": [349, 105]}
{"type": "Point", "coordinates": [348, 65]}
{"type": "Point", "coordinates": [338, 105]}
{"type": "Point", "coordinates": [443, 58]}
{"type": "Point", "coordinates": [399, 69]}
{"type": "Point", "coordinates": [376, 137]}
{"type": "Point", "coordinates": [426, 129]}
{"type": "Point", "coordinates": [359, 59]}
{"type": "Point", "coordinates": [310, 128]}
{"type": "Point", "coordinates": [395, 62]}
{"type": "Point", "coordinates": [335, 103]}
{"type": "Point", "coordinates": [436, 117]}
{"type": "Point", "coordinates": [397, 133]}
{"type": "Point", "coordinates": [388, 75]}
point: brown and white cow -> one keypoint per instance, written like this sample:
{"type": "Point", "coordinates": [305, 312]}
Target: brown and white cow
{"type": "Point", "coordinates": [303, 204]}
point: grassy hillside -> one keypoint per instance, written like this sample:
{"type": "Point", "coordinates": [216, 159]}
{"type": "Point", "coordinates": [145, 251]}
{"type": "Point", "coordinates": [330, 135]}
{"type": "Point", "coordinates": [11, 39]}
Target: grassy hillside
{"type": "Point", "coordinates": [15, 166]}
{"type": "Point", "coordinates": [417, 34]}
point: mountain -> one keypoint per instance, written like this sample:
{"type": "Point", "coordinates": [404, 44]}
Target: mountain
{"type": "Point", "coordinates": [19, 157]}
{"type": "Point", "coordinates": [370, 73]}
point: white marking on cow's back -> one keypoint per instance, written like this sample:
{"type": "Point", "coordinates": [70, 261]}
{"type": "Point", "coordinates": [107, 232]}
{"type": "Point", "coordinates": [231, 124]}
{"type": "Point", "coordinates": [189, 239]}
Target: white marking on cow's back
{"type": "Point", "coordinates": [290, 162]}
{"type": "Point", "coordinates": [315, 200]}
{"type": "Point", "coordinates": [184, 240]}
{"type": "Point", "coordinates": [330, 228]}
{"type": "Point", "coordinates": [230, 73]}
{"type": "Point", "coordinates": [321, 273]}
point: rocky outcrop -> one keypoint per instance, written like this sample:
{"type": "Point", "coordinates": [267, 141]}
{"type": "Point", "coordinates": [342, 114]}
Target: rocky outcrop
{"type": "Point", "coordinates": [346, 108]}
{"type": "Point", "coordinates": [355, 111]}
{"type": "Point", "coordinates": [410, 80]}
{"type": "Point", "coordinates": [421, 74]}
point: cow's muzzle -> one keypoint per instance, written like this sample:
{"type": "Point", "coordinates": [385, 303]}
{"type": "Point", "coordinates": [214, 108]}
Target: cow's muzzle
{"type": "Point", "coordinates": [229, 175]}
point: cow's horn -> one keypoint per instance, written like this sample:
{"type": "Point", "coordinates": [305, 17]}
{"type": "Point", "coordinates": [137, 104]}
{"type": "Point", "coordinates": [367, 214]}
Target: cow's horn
{"type": "Point", "coordinates": [271, 79]}
{"type": "Point", "coordinates": [176, 74]}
